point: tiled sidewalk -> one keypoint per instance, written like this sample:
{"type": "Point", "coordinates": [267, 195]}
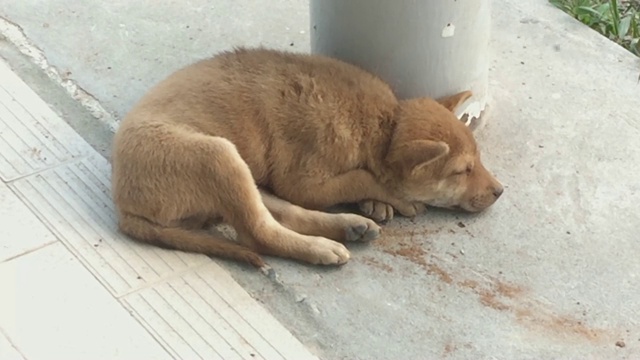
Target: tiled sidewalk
{"type": "Point", "coordinates": [71, 287]}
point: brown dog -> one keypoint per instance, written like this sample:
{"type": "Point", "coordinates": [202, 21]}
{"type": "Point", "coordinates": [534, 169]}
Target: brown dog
{"type": "Point", "coordinates": [249, 133]}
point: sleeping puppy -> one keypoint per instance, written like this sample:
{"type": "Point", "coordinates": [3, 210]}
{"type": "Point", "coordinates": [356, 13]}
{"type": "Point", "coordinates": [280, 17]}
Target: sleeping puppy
{"type": "Point", "coordinates": [265, 140]}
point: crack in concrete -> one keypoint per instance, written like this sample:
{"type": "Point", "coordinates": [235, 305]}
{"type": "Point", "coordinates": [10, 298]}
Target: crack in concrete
{"type": "Point", "coordinates": [13, 33]}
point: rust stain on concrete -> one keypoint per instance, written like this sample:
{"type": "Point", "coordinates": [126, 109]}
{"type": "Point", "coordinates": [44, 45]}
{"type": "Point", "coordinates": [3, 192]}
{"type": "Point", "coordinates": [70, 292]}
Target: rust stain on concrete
{"type": "Point", "coordinates": [500, 295]}
{"type": "Point", "coordinates": [371, 261]}
{"type": "Point", "coordinates": [411, 250]}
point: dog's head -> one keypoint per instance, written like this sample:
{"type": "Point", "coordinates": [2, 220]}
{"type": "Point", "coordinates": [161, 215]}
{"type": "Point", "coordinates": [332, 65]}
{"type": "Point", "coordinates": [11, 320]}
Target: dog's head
{"type": "Point", "coordinates": [433, 157]}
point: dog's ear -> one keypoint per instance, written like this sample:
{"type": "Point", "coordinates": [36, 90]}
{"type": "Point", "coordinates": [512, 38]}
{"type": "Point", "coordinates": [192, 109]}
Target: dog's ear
{"type": "Point", "coordinates": [415, 154]}
{"type": "Point", "coordinates": [451, 102]}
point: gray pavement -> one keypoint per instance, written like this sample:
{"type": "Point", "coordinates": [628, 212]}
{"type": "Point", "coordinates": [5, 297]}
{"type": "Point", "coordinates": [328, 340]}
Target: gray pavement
{"type": "Point", "coordinates": [550, 271]}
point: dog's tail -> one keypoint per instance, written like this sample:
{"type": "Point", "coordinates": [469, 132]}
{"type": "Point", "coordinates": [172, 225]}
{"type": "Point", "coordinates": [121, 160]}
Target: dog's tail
{"type": "Point", "coordinates": [187, 240]}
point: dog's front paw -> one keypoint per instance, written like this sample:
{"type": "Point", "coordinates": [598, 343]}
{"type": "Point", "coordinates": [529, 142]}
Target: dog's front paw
{"type": "Point", "coordinates": [412, 209]}
{"type": "Point", "coordinates": [360, 228]}
{"type": "Point", "coordinates": [376, 210]}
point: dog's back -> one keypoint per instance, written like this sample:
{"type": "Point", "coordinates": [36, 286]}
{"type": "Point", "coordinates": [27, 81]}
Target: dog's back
{"type": "Point", "coordinates": [279, 109]}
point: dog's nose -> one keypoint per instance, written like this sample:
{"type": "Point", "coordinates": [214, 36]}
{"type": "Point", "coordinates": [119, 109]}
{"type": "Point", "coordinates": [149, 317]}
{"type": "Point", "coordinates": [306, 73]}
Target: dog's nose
{"type": "Point", "coordinates": [498, 191]}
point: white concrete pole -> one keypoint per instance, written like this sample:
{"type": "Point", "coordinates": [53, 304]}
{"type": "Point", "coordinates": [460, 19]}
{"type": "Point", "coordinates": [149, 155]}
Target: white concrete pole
{"type": "Point", "coordinates": [421, 47]}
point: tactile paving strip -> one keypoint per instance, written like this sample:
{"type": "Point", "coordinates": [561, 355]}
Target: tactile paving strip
{"type": "Point", "coordinates": [220, 320]}
{"type": "Point", "coordinates": [32, 136]}
{"type": "Point", "coordinates": [74, 201]}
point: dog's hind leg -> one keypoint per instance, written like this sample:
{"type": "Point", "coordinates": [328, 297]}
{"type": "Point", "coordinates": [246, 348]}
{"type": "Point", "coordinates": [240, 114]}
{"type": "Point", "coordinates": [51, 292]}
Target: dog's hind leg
{"type": "Point", "coordinates": [193, 174]}
{"type": "Point", "coordinates": [231, 191]}
{"type": "Point", "coordinates": [340, 227]}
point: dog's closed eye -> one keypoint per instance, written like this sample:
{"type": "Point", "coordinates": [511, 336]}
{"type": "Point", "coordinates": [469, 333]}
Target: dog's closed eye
{"type": "Point", "coordinates": [463, 171]}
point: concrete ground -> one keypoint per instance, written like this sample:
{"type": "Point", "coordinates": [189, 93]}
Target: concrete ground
{"type": "Point", "coordinates": [550, 271]}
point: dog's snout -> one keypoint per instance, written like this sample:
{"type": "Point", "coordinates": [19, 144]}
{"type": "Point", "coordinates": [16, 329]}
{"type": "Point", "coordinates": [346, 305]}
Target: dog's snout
{"type": "Point", "coordinates": [498, 191]}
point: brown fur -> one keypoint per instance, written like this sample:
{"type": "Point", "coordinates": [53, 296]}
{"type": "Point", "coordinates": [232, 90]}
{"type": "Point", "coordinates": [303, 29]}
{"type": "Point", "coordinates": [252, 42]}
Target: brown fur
{"type": "Point", "coordinates": [247, 134]}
